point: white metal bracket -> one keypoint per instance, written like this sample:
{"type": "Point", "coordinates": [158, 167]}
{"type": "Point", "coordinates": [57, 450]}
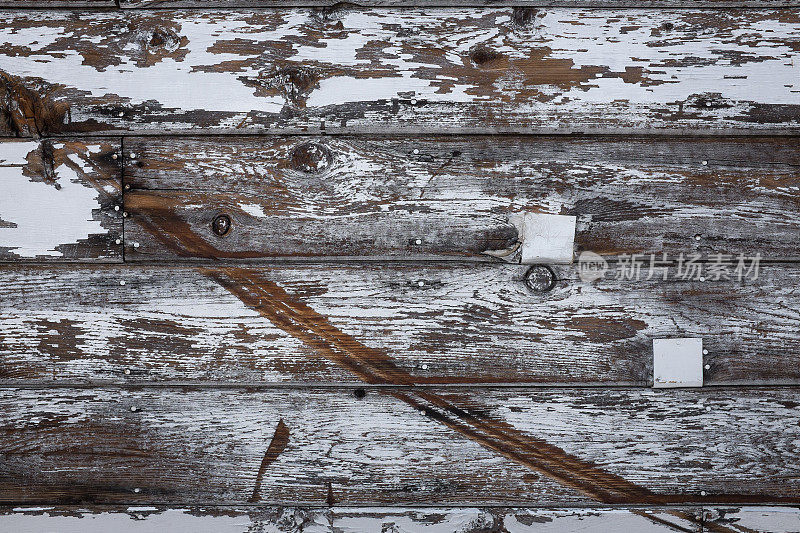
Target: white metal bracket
{"type": "Point", "coordinates": [542, 239]}
{"type": "Point", "coordinates": [677, 363]}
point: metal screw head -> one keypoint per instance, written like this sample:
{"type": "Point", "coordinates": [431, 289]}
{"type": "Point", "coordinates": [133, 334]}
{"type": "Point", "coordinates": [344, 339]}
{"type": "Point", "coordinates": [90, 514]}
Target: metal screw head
{"type": "Point", "coordinates": [540, 278]}
{"type": "Point", "coordinates": [221, 225]}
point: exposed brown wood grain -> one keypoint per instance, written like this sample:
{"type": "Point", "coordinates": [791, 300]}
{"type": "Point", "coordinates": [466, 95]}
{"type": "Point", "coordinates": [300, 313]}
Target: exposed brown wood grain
{"type": "Point", "coordinates": [136, 519]}
{"type": "Point", "coordinates": [60, 200]}
{"type": "Point", "coordinates": [466, 324]}
{"type": "Point", "coordinates": [353, 69]}
{"type": "Point", "coordinates": [101, 445]}
{"type": "Point", "coordinates": [276, 445]}
{"type": "Point", "coordinates": [376, 197]}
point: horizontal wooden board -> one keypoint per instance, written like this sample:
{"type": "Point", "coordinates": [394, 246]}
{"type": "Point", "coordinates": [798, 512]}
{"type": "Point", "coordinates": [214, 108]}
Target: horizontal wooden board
{"type": "Point", "coordinates": [239, 519]}
{"type": "Point", "coordinates": [403, 69]}
{"type": "Point", "coordinates": [401, 446]}
{"type": "Point", "coordinates": [752, 519]}
{"type": "Point", "coordinates": [60, 201]}
{"type": "Point", "coordinates": [139, 519]}
{"type": "Point", "coordinates": [332, 4]}
{"type": "Point", "coordinates": [439, 197]}
{"type": "Point", "coordinates": [75, 4]}
{"type": "Point", "coordinates": [444, 3]}
{"type": "Point", "coordinates": [384, 323]}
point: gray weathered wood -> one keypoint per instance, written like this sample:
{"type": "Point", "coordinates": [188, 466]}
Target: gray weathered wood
{"type": "Point", "coordinates": [139, 519]}
{"type": "Point", "coordinates": [437, 446]}
{"type": "Point", "coordinates": [403, 69]}
{"type": "Point", "coordinates": [376, 197]}
{"type": "Point", "coordinates": [753, 519]}
{"type": "Point", "coordinates": [58, 201]}
{"type": "Point", "coordinates": [330, 4]}
{"type": "Point", "coordinates": [442, 3]}
{"type": "Point", "coordinates": [465, 324]}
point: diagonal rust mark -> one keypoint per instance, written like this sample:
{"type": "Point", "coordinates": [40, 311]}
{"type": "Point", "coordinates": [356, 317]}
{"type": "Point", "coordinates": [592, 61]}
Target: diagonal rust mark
{"type": "Point", "coordinates": [375, 367]}
{"type": "Point", "coordinates": [276, 446]}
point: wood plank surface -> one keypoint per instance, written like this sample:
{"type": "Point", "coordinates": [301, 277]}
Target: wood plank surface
{"type": "Point", "coordinates": [377, 197]}
{"type": "Point", "coordinates": [401, 446]}
{"type": "Point", "coordinates": [140, 519]}
{"type": "Point", "coordinates": [60, 201]}
{"type": "Point", "coordinates": [385, 323]}
{"type": "Point", "coordinates": [333, 4]}
{"type": "Point", "coordinates": [753, 519]}
{"type": "Point", "coordinates": [403, 69]}
{"type": "Point", "coordinates": [239, 519]}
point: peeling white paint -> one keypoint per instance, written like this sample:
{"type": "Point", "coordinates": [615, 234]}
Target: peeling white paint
{"type": "Point", "coordinates": [44, 217]}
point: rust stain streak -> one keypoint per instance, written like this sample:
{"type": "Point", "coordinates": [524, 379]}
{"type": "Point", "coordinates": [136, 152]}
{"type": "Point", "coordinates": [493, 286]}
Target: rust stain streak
{"type": "Point", "coordinates": [280, 439]}
{"type": "Point", "coordinates": [375, 367]}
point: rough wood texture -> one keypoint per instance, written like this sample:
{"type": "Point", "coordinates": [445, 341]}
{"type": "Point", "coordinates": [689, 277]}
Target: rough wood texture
{"type": "Point", "coordinates": [454, 3]}
{"type": "Point", "coordinates": [357, 196]}
{"type": "Point", "coordinates": [753, 519]}
{"type": "Point", "coordinates": [138, 519]}
{"type": "Point", "coordinates": [464, 324]}
{"type": "Point", "coordinates": [447, 70]}
{"type": "Point", "coordinates": [330, 4]}
{"type": "Point", "coordinates": [58, 200]}
{"type": "Point", "coordinates": [165, 445]}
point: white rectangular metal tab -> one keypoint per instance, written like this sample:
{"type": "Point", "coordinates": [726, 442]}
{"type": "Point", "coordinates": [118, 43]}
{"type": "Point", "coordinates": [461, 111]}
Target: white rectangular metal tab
{"type": "Point", "coordinates": [547, 239]}
{"type": "Point", "coordinates": [677, 363]}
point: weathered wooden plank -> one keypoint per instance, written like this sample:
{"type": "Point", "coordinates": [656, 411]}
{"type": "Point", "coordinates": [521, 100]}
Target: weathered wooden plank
{"type": "Point", "coordinates": [455, 3]}
{"type": "Point", "coordinates": [403, 324]}
{"type": "Point", "coordinates": [58, 201]}
{"type": "Point", "coordinates": [135, 519]}
{"type": "Point", "coordinates": [438, 446]}
{"type": "Point", "coordinates": [403, 69]}
{"type": "Point", "coordinates": [753, 519]}
{"type": "Point", "coordinates": [329, 4]}
{"type": "Point", "coordinates": [435, 197]}
{"type": "Point", "coordinates": [58, 4]}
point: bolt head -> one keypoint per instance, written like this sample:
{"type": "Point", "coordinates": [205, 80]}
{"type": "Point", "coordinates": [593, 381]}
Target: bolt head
{"type": "Point", "coordinates": [540, 278]}
{"type": "Point", "coordinates": [221, 225]}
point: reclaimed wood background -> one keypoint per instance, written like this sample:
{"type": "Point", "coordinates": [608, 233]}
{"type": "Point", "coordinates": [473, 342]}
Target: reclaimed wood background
{"type": "Point", "coordinates": [246, 280]}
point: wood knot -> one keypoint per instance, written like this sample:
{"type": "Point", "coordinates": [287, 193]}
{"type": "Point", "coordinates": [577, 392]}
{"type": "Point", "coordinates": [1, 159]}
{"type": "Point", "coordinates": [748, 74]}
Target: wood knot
{"type": "Point", "coordinates": [310, 157]}
{"type": "Point", "coordinates": [221, 225]}
{"type": "Point", "coordinates": [668, 26]}
{"type": "Point", "coordinates": [25, 112]}
{"type": "Point", "coordinates": [359, 393]}
{"type": "Point", "coordinates": [294, 83]}
{"type": "Point", "coordinates": [164, 38]}
{"type": "Point", "coordinates": [154, 42]}
{"type": "Point", "coordinates": [523, 16]}
{"type": "Point", "coordinates": [540, 278]}
{"type": "Point", "coordinates": [482, 55]}
{"type": "Point", "coordinates": [334, 12]}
